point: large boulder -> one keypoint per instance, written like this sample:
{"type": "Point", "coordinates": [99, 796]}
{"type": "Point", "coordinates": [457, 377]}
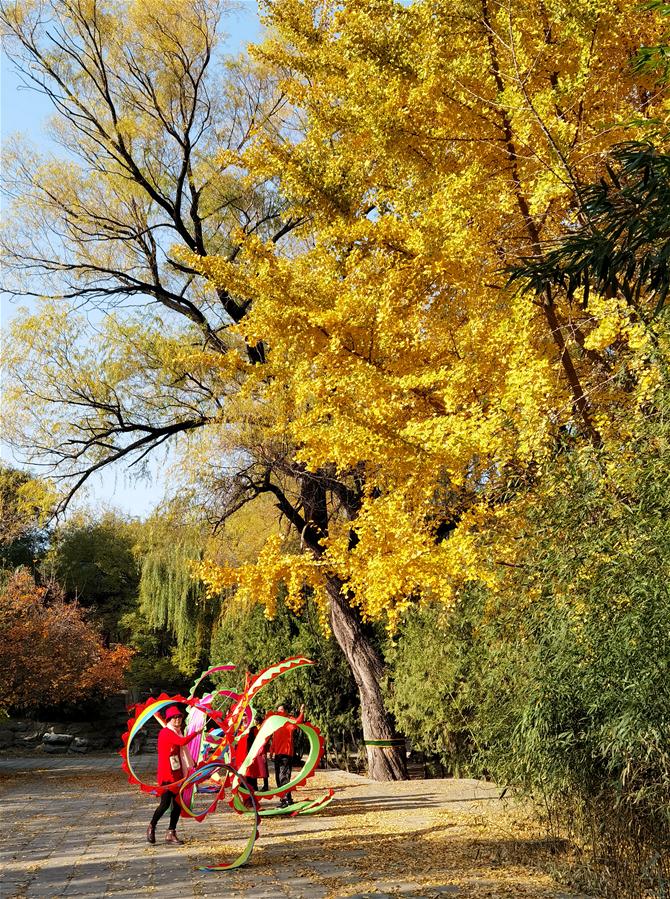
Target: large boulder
{"type": "Point", "coordinates": [31, 737]}
{"type": "Point", "coordinates": [7, 738]}
{"type": "Point", "coordinates": [53, 742]}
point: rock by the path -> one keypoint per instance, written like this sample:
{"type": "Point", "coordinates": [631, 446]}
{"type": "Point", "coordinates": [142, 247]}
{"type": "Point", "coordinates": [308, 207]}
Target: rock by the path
{"type": "Point", "coordinates": [57, 742]}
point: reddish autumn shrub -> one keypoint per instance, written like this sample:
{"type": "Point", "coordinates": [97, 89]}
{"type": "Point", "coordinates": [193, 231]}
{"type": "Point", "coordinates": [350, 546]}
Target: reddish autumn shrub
{"type": "Point", "coordinates": [49, 653]}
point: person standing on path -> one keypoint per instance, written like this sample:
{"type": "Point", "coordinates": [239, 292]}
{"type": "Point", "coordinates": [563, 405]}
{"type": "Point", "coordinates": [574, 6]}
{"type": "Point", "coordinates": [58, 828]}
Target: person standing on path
{"type": "Point", "coordinates": [281, 748]}
{"type": "Point", "coordinates": [258, 769]}
{"type": "Point", "coordinates": [174, 763]}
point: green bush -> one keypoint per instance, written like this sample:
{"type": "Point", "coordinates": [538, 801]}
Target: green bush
{"type": "Point", "coordinates": [559, 684]}
{"type": "Point", "coordinates": [432, 674]}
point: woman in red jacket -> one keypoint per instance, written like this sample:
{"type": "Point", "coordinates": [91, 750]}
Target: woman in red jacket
{"type": "Point", "coordinates": [281, 748]}
{"type": "Point", "coordinates": [174, 762]}
{"type": "Point", "coordinates": [258, 770]}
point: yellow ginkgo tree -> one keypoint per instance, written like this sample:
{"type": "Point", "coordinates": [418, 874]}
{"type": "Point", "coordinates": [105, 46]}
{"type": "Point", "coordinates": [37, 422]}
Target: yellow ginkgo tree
{"type": "Point", "coordinates": [335, 328]}
{"type": "Point", "coordinates": [442, 142]}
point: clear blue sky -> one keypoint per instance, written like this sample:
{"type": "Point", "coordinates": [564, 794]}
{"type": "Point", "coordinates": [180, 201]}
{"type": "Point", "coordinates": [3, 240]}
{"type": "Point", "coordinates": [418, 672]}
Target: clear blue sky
{"type": "Point", "coordinates": [25, 111]}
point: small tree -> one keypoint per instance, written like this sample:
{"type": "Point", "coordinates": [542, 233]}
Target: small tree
{"type": "Point", "coordinates": [49, 653]}
{"type": "Point", "coordinates": [94, 562]}
{"type": "Point", "coordinates": [22, 517]}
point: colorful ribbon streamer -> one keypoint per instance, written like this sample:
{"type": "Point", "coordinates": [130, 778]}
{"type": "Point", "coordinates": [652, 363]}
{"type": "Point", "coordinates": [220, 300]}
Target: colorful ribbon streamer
{"type": "Point", "coordinates": [214, 751]}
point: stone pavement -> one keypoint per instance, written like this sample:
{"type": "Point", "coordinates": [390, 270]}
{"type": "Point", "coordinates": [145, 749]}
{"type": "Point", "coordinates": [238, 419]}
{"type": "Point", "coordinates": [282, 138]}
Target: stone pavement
{"type": "Point", "coordinates": [74, 827]}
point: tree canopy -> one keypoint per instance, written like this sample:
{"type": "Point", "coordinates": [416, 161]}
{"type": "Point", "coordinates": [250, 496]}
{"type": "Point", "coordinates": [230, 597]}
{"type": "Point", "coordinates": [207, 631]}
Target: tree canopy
{"type": "Point", "coordinates": [440, 143]}
{"type": "Point", "coordinates": [24, 508]}
{"type": "Point", "coordinates": [93, 560]}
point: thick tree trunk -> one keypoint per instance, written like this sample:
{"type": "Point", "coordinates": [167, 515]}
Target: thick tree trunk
{"type": "Point", "coordinates": [384, 762]}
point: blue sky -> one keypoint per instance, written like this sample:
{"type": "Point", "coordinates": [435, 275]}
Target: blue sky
{"type": "Point", "coordinates": [26, 111]}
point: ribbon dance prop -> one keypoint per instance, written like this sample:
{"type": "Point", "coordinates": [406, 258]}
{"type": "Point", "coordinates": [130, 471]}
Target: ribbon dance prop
{"type": "Point", "coordinates": [222, 755]}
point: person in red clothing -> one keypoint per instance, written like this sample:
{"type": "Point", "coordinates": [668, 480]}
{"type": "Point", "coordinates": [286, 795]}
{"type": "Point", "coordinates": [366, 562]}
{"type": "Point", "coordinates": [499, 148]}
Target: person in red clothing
{"type": "Point", "coordinates": [258, 768]}
{"type": "Point", "coordinates": [281, 748]}
{"type": "Point", "coordinates": [174, 761]}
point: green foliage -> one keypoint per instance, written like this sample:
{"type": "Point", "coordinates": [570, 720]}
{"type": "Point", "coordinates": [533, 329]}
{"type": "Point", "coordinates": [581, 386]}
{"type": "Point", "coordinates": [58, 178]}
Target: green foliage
{"type": "Point", "coordinates": [95, 563]}
{"type": "Point", "coordinates": [170, 597]}
{"type": "Point", "coordinates": [575, 688]}
{"type": "Point", "coordinates": [22, 532]}
{"type": "Point", "coordinates": [558, 684]}
{"type": "Point", "coordinates": [433, 670]}
{"type": "Point", "coordinates": [655, 59]}
{"type": "Point", "coordinates": [154, 665]}
{"type": "Point", "coordinates": [576, 684]}
{"type": "Point", "coordinates": [134, 580]}
{"type": "Point", "coordinates": [252, 642]}
{"type": "Point", "coordinates": [621, 244]}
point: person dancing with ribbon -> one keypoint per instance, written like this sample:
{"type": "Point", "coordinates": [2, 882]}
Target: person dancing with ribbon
{"type": "Point", "coordinates": [281, 748]}
{"type": "Point", "coordinates": [174, 763]}
{"type": "Point", "coordinates": [258, 768]}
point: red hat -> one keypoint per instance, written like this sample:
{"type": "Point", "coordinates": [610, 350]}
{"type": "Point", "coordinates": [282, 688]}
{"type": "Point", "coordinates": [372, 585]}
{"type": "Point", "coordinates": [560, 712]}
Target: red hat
{"type": "Point", "coordinates": [173, 712]}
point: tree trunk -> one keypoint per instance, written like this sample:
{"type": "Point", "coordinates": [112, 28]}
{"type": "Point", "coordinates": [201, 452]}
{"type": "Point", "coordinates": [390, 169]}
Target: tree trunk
{"type": "Point", "coordinates": [384, 762]}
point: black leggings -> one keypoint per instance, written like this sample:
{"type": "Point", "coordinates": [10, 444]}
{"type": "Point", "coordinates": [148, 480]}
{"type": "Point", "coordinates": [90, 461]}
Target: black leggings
{"type": "Point", "coordinates": [166, 799]}
{"type": "Point", "coordinates": [283, 773]}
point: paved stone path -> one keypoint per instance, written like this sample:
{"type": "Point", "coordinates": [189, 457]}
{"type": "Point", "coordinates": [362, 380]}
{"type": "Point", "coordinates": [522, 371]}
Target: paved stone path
{"type": "Point", "coordinates": [72, 826]}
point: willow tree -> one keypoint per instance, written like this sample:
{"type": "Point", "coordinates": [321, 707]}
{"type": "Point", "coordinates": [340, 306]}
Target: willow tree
{"type": "Point", "coordinates": [148, 114]}
{"type": "Point", "coordinates": [171, 599]}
